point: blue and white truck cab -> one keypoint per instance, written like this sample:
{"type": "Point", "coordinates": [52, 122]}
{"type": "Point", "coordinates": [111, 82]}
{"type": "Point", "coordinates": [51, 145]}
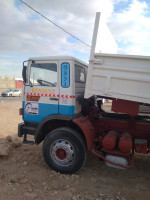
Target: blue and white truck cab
{"type": "Point", "coordinates": [52, 86]}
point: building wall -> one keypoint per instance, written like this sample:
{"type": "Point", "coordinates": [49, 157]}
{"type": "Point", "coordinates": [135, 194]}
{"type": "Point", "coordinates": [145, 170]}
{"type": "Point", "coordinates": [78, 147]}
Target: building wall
{"type": "Point", "coordinates": [19, 84]}
{"type": "Point", "coordinates": [9, 83]}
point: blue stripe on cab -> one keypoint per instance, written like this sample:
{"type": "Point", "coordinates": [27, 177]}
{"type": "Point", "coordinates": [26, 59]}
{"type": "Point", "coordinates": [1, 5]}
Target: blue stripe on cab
{"type": "Point", "coordinates": [45, 110]}
{"type": "Point", "coordinates": [66, 110]}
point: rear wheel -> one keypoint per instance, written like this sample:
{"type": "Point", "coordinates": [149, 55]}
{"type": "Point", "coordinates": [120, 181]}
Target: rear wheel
{"type": "Point", "coordinates": [64, 150]}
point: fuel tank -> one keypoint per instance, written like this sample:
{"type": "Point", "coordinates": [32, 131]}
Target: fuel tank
{"type": "Point", "coordinates": [117, 160]}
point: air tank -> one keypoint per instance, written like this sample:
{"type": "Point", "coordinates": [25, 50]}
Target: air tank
{"type": "Point", "coordinates": [110, 139]}
{"type": "Point", "coordinates": [125, 143]}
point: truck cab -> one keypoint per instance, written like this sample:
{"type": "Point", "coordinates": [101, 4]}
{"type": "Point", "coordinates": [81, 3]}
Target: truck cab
{"type": "Point", "coordinates": [52, 87]}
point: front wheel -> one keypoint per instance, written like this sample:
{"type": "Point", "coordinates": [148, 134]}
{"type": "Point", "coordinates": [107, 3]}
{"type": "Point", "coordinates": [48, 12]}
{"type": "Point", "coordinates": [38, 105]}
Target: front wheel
{"type": "Point", "coordinates": [64, 150]}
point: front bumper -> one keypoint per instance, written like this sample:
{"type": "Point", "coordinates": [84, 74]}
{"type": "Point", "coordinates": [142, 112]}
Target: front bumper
{"type": "Point", "coordinates": [21, 130]}
{"type": "Point", "coordinates": [5, 95]}
{"type": "Point", "coordinates": [24, 130]}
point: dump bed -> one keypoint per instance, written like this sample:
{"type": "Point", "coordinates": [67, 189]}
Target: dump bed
{"type": "Point", "coordinates": [117, 76]}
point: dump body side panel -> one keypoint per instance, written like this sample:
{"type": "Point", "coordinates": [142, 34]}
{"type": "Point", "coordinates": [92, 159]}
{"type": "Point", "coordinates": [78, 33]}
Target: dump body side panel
{"type": "Point", "coordinates": [119, 76]}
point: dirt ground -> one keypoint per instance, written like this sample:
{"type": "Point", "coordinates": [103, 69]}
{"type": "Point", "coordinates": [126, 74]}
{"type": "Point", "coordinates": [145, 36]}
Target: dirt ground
{"type": "Point", "coordinates": [24, 174]}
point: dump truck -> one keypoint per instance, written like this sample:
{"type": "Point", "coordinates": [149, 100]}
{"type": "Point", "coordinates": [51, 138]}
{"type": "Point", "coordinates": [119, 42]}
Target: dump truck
{"type": "Point", "coordinates": [62, 107]}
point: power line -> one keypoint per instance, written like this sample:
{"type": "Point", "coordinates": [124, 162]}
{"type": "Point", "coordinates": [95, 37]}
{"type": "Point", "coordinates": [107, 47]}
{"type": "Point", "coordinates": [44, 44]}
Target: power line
{"type": "Point", "coordinates": [55, 24]}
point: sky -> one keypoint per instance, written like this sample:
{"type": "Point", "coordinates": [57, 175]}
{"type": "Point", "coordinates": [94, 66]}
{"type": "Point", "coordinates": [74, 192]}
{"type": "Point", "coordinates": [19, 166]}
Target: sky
{"type": "Point", "coordinates": [25, 34]}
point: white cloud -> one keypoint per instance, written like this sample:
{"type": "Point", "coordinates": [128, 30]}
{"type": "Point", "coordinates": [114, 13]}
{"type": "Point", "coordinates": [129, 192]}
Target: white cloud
{"type": "Point", "coordinates": [131, 28]}
{"type": "Point", "coordinates": [79, 8]}
{"type": "Point", "coordinates": [9, 67]}
{"type": "Point", "coordinates": [23, 33]}
{"type": "Point", "coordinates": [76, 16]}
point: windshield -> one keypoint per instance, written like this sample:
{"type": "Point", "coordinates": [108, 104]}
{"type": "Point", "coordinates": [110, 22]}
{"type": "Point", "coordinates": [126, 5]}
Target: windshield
{"type": "Point", "coordinates": [44, 74]}
{"type": "Point", "coordinates": [8, 90]}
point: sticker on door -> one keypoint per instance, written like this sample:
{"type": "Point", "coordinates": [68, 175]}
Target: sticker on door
{"type": "Point", "coordinates": [31, 108]}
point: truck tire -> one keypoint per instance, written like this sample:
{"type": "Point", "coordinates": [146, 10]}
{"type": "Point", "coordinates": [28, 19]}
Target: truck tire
{"type": "Point", "coordinates": [64, 150]}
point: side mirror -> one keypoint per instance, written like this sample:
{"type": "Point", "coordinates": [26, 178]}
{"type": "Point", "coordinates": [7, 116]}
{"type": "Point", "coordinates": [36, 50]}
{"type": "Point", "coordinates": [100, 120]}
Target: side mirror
{"type": "Point", "coordinates": [24, 74]}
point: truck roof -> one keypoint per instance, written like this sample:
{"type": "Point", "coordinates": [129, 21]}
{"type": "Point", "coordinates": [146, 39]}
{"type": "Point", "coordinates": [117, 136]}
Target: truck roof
{"type": "Point", "coordinates": [47, 58]}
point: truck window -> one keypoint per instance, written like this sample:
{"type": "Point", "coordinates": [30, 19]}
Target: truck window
{"type": "Point", "coordinates": [79, 74]}
{"type": "Point", "coordinates": [44, 74]}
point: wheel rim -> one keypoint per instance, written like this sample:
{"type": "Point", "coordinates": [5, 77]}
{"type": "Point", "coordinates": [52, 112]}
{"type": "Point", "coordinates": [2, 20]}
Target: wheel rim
{"type": "Point", "coordinates": [62, 152]}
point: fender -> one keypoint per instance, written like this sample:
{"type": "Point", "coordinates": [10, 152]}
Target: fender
{"type": "Point", "coordinates": [38, 132]}
{"type": "Point", "coordinates": [87, 128]}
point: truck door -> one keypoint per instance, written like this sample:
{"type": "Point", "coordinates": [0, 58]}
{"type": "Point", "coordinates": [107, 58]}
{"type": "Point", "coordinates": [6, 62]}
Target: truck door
{"type": "Point", "coordinates": [41, 95]}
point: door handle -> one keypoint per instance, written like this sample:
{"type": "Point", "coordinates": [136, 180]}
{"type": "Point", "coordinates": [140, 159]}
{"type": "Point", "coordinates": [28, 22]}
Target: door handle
{"type": "Point", "coordinates": [54, 99]}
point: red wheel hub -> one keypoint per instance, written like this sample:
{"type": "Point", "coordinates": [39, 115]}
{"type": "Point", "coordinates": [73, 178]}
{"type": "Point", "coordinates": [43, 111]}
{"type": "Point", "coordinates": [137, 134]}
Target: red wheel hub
{"type": "Point", "coordinates": [61, 154]}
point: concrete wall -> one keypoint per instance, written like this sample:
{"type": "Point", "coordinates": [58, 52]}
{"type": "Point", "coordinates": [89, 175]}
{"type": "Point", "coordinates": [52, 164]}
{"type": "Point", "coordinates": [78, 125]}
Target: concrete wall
{"type": "Point", "coordinates": [7, 83]}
